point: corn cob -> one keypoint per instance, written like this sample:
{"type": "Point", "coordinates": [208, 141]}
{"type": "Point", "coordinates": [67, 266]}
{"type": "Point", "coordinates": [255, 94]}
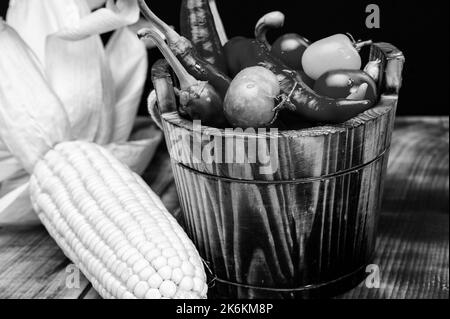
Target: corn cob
{"type": "Point", "coordinates": [112, 226]}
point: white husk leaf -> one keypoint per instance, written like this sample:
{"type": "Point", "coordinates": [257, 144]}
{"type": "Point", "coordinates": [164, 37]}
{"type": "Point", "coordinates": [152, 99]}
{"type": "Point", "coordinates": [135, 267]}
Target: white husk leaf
{"type": "Point", "coordinates": [29, 108]}
{"type": "Point", "coordinates": [127, 57]}
{"type": "Point", "coordinates": [93, 114]}
{"type": "Point", "coordinates": [117, 14]}
{"type": "Point", "coordinates": [74, 70]}
{"type": "Point", "coordinates": [105, 125]}
{"type": "Point", "coordinates": [152, 103]}
{"type": "Point", "coordinates": [138, 152]}
{"type": "Point", "coordinates": [94, 4]}
{"type": "Point", "coordinates": [15, 206]}
{"type": "Point", "coordinates": [43, 120]}
{"type": "Point", "coordinates": [34, 20]}
{"type": "Point", "coordinates": [9, 165]}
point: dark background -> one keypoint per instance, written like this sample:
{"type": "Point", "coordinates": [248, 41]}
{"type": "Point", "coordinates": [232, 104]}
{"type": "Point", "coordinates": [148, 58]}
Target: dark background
{"type": "Point", "coordinates": [419, 29]}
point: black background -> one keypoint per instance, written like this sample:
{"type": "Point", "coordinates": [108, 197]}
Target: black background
{"type": "Point", "coordinates": [419, 29]}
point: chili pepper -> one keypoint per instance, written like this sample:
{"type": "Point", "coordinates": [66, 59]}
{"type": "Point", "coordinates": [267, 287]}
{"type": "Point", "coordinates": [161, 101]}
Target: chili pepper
{"type": "Point", "coordinates": [198, 99]}
{"type": "Point", "coordinates": [345, 84]}
{"type": "Point", "coordinates": [291, 57]}
{"type": "Point", "coordinates": [163, 83]}
{"type": "Point", "coordinates": [289, 48]}
{"type": "Point", "coordinates": [196, 66]}
{"type": "Point", "coordinates": [239, 55]}
{"type": "Point", "coordinates": [218, 22]}
{"type": "Point", "coordinates": [271, 20]}
{"type": "Point", "coordinates": [296, 95]}
{"type": "Point", "coordinates": [242, 53]}
{"type": "Point", "coordinates": [197, 25]}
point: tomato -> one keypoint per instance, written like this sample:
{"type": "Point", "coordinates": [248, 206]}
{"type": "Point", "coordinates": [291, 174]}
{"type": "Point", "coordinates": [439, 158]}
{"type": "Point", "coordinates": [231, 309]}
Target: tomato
{"type": "Point", "coordinates": [332, 53]}
{"type": "Point", "coordinates": [340, 84]}
{"type": "Point", "coordinates": [250, 100]}
{"type": "Point", "coordinates": [289, 48]}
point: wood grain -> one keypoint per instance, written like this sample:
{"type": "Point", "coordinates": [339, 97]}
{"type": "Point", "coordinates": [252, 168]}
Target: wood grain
{"type": "Point", "coordinates": [292, 236]}
{"type": "Point", "coordinates": [307, 224]}
{"type": "Point", "coordinates": [32, 265]}
{"type": "Point", "coordinates": [413, 241]}
{"type": "Point", "coordinates": [413, 245]}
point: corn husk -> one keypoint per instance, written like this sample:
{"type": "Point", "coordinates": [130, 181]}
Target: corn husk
{"type": "Point", "coordinates": [128, 55]}
{"type": "Point", "coordinates": [141, 147]}
{"type": "Point", "coordinates": [29, 108]}
{"type": "Point", "coordinates": [68, 49]}
{"type": "Point", "coordinates": [9, 165]}
{"type": "Point", "coordinates": [152, 103]}
{"type": "Point", "coordinates": [137, 153]}
{"type": "Point", "coordinates": [95, 4]}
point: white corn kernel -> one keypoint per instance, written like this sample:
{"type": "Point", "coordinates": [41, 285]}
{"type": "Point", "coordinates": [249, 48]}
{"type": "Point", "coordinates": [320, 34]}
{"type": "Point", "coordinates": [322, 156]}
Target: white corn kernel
{"type": "Point", "coordinates": [168, 289]}
{"type": "Point", "coordinates": [177, 275]}
{"type": "Point", "coordinates": [204, 290]}
{"type": "Point", "coordinates": [141, 289]}
{"type": "Point", "coordinates": [140, 265]}
{"type": "Point", "coordinates": [159, 262]}
{"type": "Point", "coordinates": [198, 284]}
{"type": "Point", "coordinates": [165, 272]}
{"type": "Point", "coordinates": [169, 252]}
{"type": "Point", "coordinates": [187, 269]}
{"type": "Point", "coordinates": [152, 254]}
{"type": "Point", "coordinates": [174, 262]}
{"type": "Point", "coordinates": [146, 273]}
{"type": "Point", "coordinates": [153, 294]}
{"type": "Point", "coordinates": [132, 282]}
{"type": "Point", "coordinates": [186, 283]}
{"type": "Point", "coordinates": [128, 295]}
{"type": "Point", "coordinates": [155, 280]}
{"type": "Point", "coordinates": [133, 259]}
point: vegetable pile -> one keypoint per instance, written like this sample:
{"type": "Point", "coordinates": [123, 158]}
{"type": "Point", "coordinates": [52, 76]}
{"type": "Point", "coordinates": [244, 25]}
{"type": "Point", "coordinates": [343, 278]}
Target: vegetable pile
{"type": "Point", "coordinates": [250, 83]}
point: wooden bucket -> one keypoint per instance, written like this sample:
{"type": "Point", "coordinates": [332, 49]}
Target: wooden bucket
{"type": "Point", "coordinates": [302, 227]}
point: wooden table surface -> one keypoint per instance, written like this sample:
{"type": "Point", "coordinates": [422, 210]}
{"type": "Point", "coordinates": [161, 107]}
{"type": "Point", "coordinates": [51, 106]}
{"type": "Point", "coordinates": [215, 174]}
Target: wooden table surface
{"type": "Point", "coordinates": [413, 241]}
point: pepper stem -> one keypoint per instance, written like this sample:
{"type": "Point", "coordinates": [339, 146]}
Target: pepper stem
{"type": "Point", "coordinates": [186, 80]}
{"type": "Point", "coordinates": [271, 20]}
{"type": "Point", "coordinates": [285, 100]}
{"type": "Point", "coordinates": [171, 35]}
{"type": "Point", "coordinates": [218, 22]}
{"type": "Point", "coordinates": [360, 44]}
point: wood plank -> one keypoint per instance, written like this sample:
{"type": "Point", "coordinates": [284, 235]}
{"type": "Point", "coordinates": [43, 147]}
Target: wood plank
{"type": "Point", "coordinates": [33, 266]}
{"type": "Point", "coordinates": [413, 245]}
